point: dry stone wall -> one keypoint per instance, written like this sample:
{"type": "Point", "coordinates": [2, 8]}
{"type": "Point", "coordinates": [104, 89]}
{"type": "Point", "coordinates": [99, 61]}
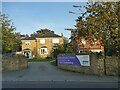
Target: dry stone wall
{"type": "Point", "coordinates": [14, 63]}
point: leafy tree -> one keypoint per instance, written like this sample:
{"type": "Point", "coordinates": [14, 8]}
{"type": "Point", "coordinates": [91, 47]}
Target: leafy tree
{"type": "Point", "coordinates": [42, 32]}
{"type": "Point", "coordinates": [9, 38]}
{"type": "Point", "coordinates": [105, 26]}
{"type": "Point", "coordinates": [18, 46]}
{"type": "Point", "coordinates": [99, 21]}
{"type": "Point", "coordinates": [0, 38]}
{"type": "Point", "coordinates": [62, 49]}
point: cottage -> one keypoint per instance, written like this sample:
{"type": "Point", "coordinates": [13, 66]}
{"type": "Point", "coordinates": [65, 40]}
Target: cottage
{"type": "Point", "coordinates": [41, 46]}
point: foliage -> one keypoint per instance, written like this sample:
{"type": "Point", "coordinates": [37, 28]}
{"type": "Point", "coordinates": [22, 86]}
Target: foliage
{"type": "Point", "coordinates": [99, 21]}
{"type": "Point", "coordinates": [18, 46]}
{"type": "Point", "coordinates": [9, 37]}
{"type": "Point", "coordinates": [64, 48]}
{"type": "Point", "coordinates": [42, 32]}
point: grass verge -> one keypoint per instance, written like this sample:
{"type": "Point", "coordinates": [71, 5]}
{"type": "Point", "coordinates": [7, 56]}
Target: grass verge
{"type": "Point", "coordinates": [40, 60]}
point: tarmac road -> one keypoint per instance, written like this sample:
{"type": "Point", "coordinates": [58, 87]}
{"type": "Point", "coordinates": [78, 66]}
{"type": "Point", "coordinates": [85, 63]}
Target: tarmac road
{"type": "Point", "coordinates": [46, 75]}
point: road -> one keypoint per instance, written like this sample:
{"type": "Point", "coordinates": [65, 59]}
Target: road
{"type": "Point", "coordinates": [46, 75]}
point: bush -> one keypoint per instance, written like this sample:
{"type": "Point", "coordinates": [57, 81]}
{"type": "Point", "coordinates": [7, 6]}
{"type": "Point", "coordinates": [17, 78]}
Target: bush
{"type": "Point", "coordinates": [62, 49]}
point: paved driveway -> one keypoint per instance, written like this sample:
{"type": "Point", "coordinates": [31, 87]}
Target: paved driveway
{"type": "Point", "coordinates": [45, 71]}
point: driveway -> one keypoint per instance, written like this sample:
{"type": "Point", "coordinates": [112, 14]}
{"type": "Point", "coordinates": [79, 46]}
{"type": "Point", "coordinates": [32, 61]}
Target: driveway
{"type": "Point", "coordinates": [45, 72]}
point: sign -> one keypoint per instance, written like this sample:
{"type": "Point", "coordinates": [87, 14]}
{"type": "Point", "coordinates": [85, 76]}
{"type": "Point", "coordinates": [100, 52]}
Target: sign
{"type": "Point", "coordinates": [82, 60]}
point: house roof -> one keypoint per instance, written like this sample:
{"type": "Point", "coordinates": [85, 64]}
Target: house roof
{"type": "Point", "coordinates": [48, 35]}
{"type": "Point", "coordinates": [29, 38]}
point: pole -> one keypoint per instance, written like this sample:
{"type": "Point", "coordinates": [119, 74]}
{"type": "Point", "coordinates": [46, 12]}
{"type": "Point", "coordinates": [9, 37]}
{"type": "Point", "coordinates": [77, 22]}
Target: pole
{"type": "Point", "coordinates": [104, 58]}
{"type": "Point", "coordinates": [36, 48]}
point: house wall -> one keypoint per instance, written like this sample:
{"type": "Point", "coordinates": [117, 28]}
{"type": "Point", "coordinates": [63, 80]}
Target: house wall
{"type": "Point", "coordinates": [48, 44]}
{"type": "Point", "coordinates": [32, 46]}
{"type": "Point", "coordinates": [89, 46]}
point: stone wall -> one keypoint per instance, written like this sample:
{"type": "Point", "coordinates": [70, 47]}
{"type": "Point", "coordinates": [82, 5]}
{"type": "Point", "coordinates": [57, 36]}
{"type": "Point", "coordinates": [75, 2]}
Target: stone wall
{"type": "Point", "coordinates": [14, 63]}
{"type": "Point", "coordinates": [96, 66]}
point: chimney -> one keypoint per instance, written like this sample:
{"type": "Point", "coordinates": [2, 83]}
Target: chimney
{"type": "Point", "coordinates": [62, 34]}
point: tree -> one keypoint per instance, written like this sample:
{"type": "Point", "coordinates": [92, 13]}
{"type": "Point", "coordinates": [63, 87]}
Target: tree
{"type": "Point", "coordinates": [9, 39]}
{"type": "Point", "coordinates": [100, 21]}
{"type": "Point", "coordinates": [105, 17]}
{"type": "Point", "coordinates": [18, 46]}
{"type": "Point", "coordinates": [42, 32]}
{"type": "Point", "coordinates": [62, 49]}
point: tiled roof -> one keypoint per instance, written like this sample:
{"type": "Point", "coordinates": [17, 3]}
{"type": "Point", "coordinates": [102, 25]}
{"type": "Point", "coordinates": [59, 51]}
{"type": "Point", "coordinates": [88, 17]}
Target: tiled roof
{"type": "Point", "coordinates": [29, 38]}
{"type": "Point", "coordinates": [48, 35]}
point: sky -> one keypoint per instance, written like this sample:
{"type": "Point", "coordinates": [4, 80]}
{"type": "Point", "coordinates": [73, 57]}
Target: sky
{"type": "Point", "coordinates": [29, 17]}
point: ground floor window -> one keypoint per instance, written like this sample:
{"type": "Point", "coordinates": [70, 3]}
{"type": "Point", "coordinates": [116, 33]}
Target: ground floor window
{"type": "Point", "coordinates": [43, 51]}
{"type": "Point", "coordinates": [27, 54]}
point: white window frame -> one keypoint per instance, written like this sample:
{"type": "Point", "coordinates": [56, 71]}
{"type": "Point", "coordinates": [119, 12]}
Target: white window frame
{"type": "Point", "coordinates": [83, 41]}
{"type": "Point", "coordinates": [55, 40]}
{"type": "Point", "coordinates": [42, 41]}
{"type": "Point", "coordinates": [43, 51]}
{"type": "Point", "coordinates": [27, 43]}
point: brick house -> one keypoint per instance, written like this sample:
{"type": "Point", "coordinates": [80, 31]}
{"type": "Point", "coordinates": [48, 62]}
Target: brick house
{"type": "Point", "coordinates": [41, 46]}
{"type": "Point", "coordinates": [87, 45]}
{"type": "Point", "coordinates": [82, 44]}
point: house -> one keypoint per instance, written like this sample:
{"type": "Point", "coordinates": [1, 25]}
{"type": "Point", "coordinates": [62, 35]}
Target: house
{"type": "Point", "coordinates": [86, 45]}
{"type": "Point", "coordinates": [41, 46]}
{"type": "Point", "coordinates": [81, 43]}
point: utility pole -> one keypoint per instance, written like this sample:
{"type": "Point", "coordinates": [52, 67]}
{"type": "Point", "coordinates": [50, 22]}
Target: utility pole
{"type": "Point", "coordinates": [36, 47]}
{"type": "Point", "coordinates": [104, 57]}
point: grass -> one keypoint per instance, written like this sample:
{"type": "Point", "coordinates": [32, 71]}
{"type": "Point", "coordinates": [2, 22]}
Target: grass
{"type": "Point", "coordinates": [40, 60]}
{"type": "Point", "coordinates": [53, 62]}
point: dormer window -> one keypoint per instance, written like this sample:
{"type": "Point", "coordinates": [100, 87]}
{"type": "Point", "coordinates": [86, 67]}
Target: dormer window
{"type": "Point", "coordinates": [27, 43]}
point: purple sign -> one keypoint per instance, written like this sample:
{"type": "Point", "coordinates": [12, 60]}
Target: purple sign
{"type": "Point", "coordinates": [67, 59]}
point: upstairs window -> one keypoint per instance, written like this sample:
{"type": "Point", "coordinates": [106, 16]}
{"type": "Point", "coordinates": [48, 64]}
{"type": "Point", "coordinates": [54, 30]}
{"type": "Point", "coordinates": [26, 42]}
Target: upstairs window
{"type": "Point", "coordinates": [83, 41]}
{"type": "Point", "coordinates": [55, 47]}
{"type": "Point", "coordinates": [56, 40]}
{"type": "Point", "coordinates": [27, 43]}
{"type": "Point", "coordinates": [42, 41]}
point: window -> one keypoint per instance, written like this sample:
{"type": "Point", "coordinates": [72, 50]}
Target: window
{"type": "Point", "coordinates": [56, 40]}
{"type": "Point", "coordinates": [83, 41]}
{"type": "Point", "coordinates": [43, 51]}
{"type": "Point", "coordinates": [27, 43]}
{"type": "Point", "coordinates": [55, 47]}
{"type": "Point", "coordinates": [42, 41]}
